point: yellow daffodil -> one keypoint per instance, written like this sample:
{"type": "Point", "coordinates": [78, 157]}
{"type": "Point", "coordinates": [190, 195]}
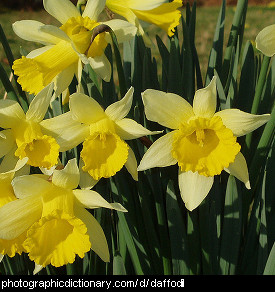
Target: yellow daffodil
{"type": "Point", "coordinates": [265, 40]}
{"type": "Point", "coordinates": [66, 46]}
{"type": "Point", "coordinates": [13, 246]}
{"type": "Point", "coordinates": [202, 142]}
{"type": "Point", "coordinates": [102, 132]}
{"type": "Point", "coordinates": [162, 13]}
{"type": "Point", "coordinates": [23, 136]}
{"type": "Point", "coordinates": [51, 211]}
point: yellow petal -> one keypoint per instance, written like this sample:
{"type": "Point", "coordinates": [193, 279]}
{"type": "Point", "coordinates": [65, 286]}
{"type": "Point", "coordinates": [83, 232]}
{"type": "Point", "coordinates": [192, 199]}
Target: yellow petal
{"type": "Point", "coordinates": [62, 10]}
{"type": "Point", "coordinates": [68, 177]}
{"type": "Point", "coordinates": [205, 100]}
{"type": "Point", "coordinates": [93, 8]}
{"type": "Point", "coordinates": [131, 164]}
{"type": "Point", "coordinates": [265, 40]}
{"type": "Point", "coordinates": [85, 109]}
{"type": "Point", "coordinates": [194, 188]}
{"type": "Point", "coordinates": [241, 123]}
{"type": "Point", "coordinates": [97, 237]}
{"type": "Point", "coordinates": [167, 109]}
{"type": "Point", "coordinates": [13, 246]}
{"type": "Point", "coordinates": [11, 113]}
{"type": "Point", "coordinates": [7, 143]}
{"type": "Point", "coordinates": [239, 169]}
{"type": "Point", "coordinates": [159, 154]}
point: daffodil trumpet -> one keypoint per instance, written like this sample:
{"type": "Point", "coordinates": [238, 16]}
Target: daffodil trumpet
{"type": "Point", "coordinates": [202, 142]}
{"type": "Point", "coordinates": [51, 215]}
{"type": "Point", "coordinates": [67, 47]}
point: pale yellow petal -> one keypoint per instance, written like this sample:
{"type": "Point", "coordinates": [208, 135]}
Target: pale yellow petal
{"type": "Point", "coordinates": [40, 104]}
{"type": "Point", "coordinates": [205, 100]}
{"type": "Point", "coordinates": [93, 9]}
{"type": "Point", "coordinates": [86, 181]}
{"type": "Point", "coordinates": [67, 132]}
{"type": "Point", "coordinates": [145, 4]}
{"type": "Point", "coordinates": [102, 67]}
{"type": "Point", "coordinates": [118, 110]}
{"type": "Point", "coordinates": [11, 113]}
{"type": "Point", "coordinates": [159, 153]}
{"type": "Point", "coordinates": [194, 188]}
{"type": "Point", "coordinates": [7, 143]}
{"type": "Point", "coordinates": [265, 40]}
{"type": "Point", "coordinates": [131, 164]}
{"type": "Point", "coordinates": [167, 109]}
{"type": "Point", "coordinates": [91, 200]}
{"type": "Point", "coordinates": [62, 10]}
{"type": "Point", "coordinates": [85, 109]}
{"type": "Point", "coordinates": [239, 169]}
{"type": "Point", "coordinates": [97, 237]}
{"type": "Point", "coordinates": [68, 177]}
{"type": "Point", "coordinates": [128, 129]}
{"type": "Point", "coordinates": [242, 123]}
{"type": "Point", "coordinates": [30, 30]}
{"type": "Point", "coordinates": [17, 216]}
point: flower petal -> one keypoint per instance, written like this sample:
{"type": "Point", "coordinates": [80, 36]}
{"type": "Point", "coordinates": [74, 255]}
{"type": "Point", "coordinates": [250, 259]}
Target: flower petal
{"type": "Point", "coordinates": [17, 216]}
{"type": "Point", "coordinates": [145, 4]}
{"type": "Point", "coordinates": [102, 67]}
{"type": "Point", "coordinates": [11, 113]}
{"type": "Point", "coordinates": [93, 8]}
{"type": "Point", "coordinates": [86, 181]}
{"type": "Point", "coordinates": [118, 110]}
{"type": "Point", "coordinates": [67, 132]}
{"type": "Point", "coordinates": [159, 153]}
{"type": "Point", "coordinates": [123, 30]}
{"type": "Point", "coordinates": [68, 177]}
{"type": "Point", "coordinates": [128, 129]}
{"type": "Point", "coordinates": [7, 143]}
{"type": "Point", "coordinates": [30, 185]}
{"type": "Point", "coordinates": [265, 40]}
{"type": "Point", "coordinates": [242, 123]}
{"type": "Point", "coordinates": [97, 237]}
{"type": "Point", "coordinates": [30, 30]}
{"type": "Point", "coordinates": [167, 109]}
{"type": "Point", "coordinates": [205, 100]}
{"type": "Point", "coordinates": [131, 164]}
{"type": "Point", "coordinates": [91, 200]}
{"type": "Point", "coordinates": [194, 188]}
{"type": "Point", "coordinates": [64, 79]}
{"type": "Point", "coordinates": [62, 10]}
{"type": "Point", "coordinates": [239, 169]}
{"type": "Point", "coordinates": [85, 109]}
{"type": "Point", "coordinates": [40, 104]}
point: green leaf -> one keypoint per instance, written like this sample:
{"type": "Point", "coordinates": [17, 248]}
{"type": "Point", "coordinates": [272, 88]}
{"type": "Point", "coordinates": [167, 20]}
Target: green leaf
{"type": "Point", "coordinates": [270, 265]}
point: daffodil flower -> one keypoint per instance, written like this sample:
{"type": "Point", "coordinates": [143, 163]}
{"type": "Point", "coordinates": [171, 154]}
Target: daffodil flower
{"type": "Point", "coordinates": [265, 40]}
{"type": "Point", "coordinates": [51, 211]}
{"type": "Point", "coordinates": [102, 132]}
{"type": "Point", "coordinates": [66, 46]}
{"type": "Point", "coordinates": [23, 136]}
{"type": "Point", "coordinates": [13, 246]}
{"type": "Point", "coordinates": [162, 13]}
{"type": "Point", "coordinates": [202, 142]}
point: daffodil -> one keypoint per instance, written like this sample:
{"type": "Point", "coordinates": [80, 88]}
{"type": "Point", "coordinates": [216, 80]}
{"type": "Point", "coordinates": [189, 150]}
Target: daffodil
{"type": "Point", "coordinates": [51, 211]}
{"type": "Point", "coordinates": [23, 136]}
{"type": "Point", "coordinates": [102, 132]}
{"type": "Point", "coordinates": [67, 46]}
{"type": "Point", "coordinates": [202, 142]}
{"type": "Point", "coordinates": [13, 246]}
{"type": "Point", "coordinates": [265, 40]}
{"type": "Point", "coordinates": [162, 13]}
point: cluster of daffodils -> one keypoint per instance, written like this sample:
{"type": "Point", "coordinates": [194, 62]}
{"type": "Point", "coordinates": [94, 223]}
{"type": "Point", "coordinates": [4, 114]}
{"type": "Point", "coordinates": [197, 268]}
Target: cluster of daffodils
{"type": "Point", "coordinates": [44, 213]}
